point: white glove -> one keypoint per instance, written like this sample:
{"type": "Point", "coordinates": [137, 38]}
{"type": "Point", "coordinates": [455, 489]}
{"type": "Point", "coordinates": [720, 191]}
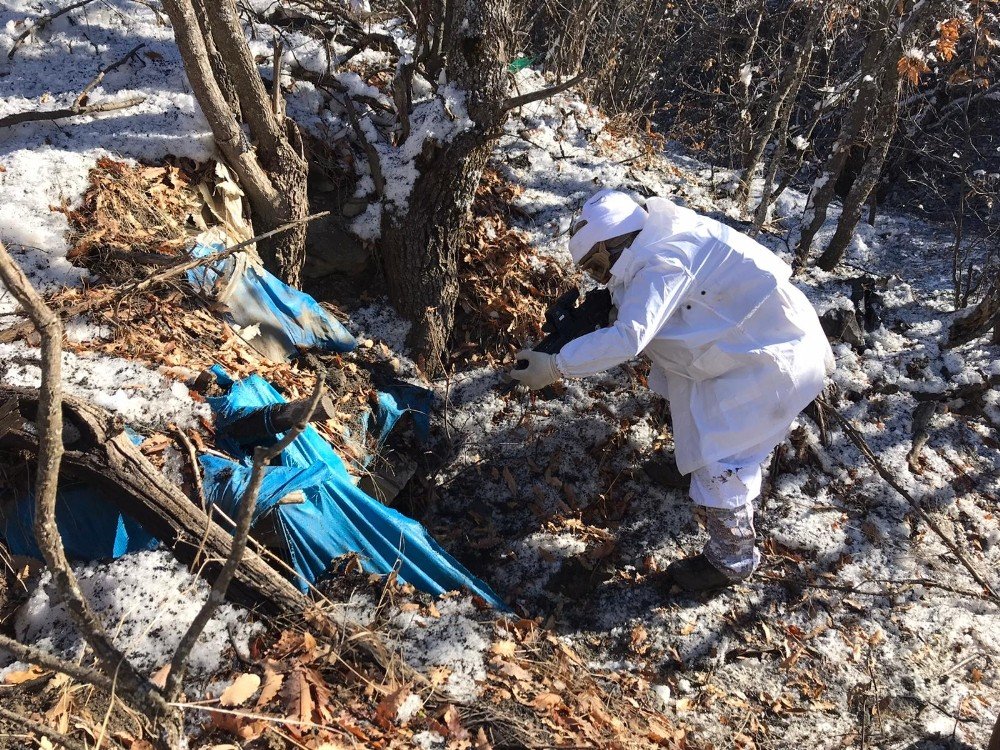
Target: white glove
{"type": "Point", "coordinates": [540, 372]}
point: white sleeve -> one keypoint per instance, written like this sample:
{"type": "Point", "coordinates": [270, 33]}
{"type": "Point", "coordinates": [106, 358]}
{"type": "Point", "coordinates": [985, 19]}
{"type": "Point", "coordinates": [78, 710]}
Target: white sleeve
{"type": "Point", "coordinates": [650, 298]}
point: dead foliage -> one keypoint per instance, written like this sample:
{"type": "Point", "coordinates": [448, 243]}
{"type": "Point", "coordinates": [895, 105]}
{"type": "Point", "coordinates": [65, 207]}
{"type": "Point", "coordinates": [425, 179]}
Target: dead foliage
{"type": "Point", "coordinates": [504, 287]}
{"type": "Point", "coordinates": [538, 691]}
{"type": "Point", "coordinates": [132, 218]}
{"type": "Point", "coordinates": [131, 213]}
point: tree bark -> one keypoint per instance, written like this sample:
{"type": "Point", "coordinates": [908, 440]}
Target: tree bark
{"type": "Point", "coordinates": [854, 204]}
{"type": "Point", "coordinates": [980, 319]}
{"type": "Point", "coordinates": [418, 251]}
{"type": "Point", "coordinates": [272, 171]}
{"type": "Point", "coordinates": [865, 94]}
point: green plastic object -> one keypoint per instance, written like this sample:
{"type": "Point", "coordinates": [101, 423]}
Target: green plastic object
{"type": "Point", "coordinates": [520, 63]}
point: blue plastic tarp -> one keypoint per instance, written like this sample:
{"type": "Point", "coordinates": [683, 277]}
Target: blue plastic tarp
{"type": "Point", "coordinates": [336, 518]}
{"type": "Point", "coordinates": [279, 321]}
{"type": "Point", "coordinates": [91, 528]}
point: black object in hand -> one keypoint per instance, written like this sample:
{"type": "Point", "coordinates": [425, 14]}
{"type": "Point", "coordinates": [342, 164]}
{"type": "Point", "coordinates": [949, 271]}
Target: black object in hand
{"type": "Point", "coordinates": [566, 320]}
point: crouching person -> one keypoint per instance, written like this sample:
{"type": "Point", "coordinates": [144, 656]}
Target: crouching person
{"type": "Point", "coordinates": [735, 348]}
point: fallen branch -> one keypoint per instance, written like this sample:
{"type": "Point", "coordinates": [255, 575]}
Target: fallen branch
{"type": "Point", "coordinates": [177, 269]}
{"type": "Point", "coordinates": [883, 472]}
{"type": "Point", "coordinates": [81, 100]}
{"type": "Point", "coordinates": [58, 738]}
{"type": "Point", "coordinates": [534, 96]}
{"type": "Point", "coordinates": [44, 21]}
{"type": "Point", "coordinates": [105, 456]}
{"type": "Point", "coordinates": [192, 455]}
{"type": "Point", "coordinates": [58, 114]}
{"type": "Point", "coordinates": [48, 428]}
{"type": "Point", "coordinates": [248, 503]}
{"type": "Point", "coordinates": [32, 655]}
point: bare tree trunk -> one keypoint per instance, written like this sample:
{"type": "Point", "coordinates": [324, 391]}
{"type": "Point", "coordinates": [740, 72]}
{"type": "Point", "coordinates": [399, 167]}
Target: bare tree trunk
{"type": "Point", "coordinates": [865, 93]}
{"type": "Point", "coordinates": [980, 319]}
{"type": "Point", "coordinates": [272, 170]}
{"type": "Point", "coordinates": [418, 251]}
{"type": "Point", "coordinates": [783, 100]}
{"type": "Point", "coordinates": [854, 204]}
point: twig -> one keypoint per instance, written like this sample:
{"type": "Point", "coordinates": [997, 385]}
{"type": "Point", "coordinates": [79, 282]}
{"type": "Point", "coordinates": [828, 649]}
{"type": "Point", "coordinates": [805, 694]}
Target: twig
{"type": "Point", "coordinates": [103, 72]}
{"type": "Point", "coordinates": [534, 96]}
{"type": "Point", "coordinates": [883, 472]}
{"type": "Point", "coordinates": [374, 165]}
{"type": "Point", "coordinates": [49, 428]}
{"type": "Point", "coordinates": [192, 455]}
{"type": "Point", "coordinates": [57, 114]}
{"type": "Point", "coordinates": [43, 21]}
{"type": "Point", "coordinates": [248, 503]}
{"type": "Point", "coordinates": [15, 332]}
{"type": "Point", "coordinates": [276, 101]}
{"type": "Point", "coordinates": [57, 737]}
{"type": "Point", "coordinates": [32, 655]}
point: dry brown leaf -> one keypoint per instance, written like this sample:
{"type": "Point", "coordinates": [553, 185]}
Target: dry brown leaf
{"type": "Point", "coordinates": [20, 677]}
{"type": "Point", "coordinates": [481, 741]}
{"type": "Point", "coordinates": [272, 684]}
{"type": "Point", "coordinates": [439, 676]}
{"type": "Point", "coordinates": [509, 479]}
{"type": "Point", "coordinates": [298, 696]}
{"type": "Point", "coordinates": [58, 715]}
{"type": "Point", "coordinates": [503, 648]}
{"type": "Point", "coordinates": [684, 704]}
{"type": "Point", "coordinates": [454, 723]}
{"type": "Point", "coordinates": [515, 671]}
{"type": "Point", "coordinates": [546, 701]}
{"type": "Point", "coordinates": [240, 690]}
{"type": "Point", "coordinates": [640, 639]}
{"type": "Point", "coordinates": [385, 712]}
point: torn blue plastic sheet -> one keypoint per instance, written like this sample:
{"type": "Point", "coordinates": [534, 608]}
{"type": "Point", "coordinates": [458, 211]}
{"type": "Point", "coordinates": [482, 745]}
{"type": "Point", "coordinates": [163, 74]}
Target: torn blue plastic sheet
{"type": "Point", "coordinates": [276, 319]}
{"type": "Point", "coordinates": [90, 526]}
{"type": "Point", "coordinates": [335, 517]}
{"type": "Point", "coordinates": [395, 400]}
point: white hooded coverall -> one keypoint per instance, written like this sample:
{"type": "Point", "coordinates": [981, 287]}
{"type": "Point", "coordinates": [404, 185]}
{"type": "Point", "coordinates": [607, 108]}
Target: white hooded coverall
{"type": "Point", "coordinates": [736, 349]}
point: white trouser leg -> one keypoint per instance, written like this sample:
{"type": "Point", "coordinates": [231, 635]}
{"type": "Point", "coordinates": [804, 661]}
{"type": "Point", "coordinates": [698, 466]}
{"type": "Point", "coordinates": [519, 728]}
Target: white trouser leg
{"type": "Point", "coordinates": [726, 490]}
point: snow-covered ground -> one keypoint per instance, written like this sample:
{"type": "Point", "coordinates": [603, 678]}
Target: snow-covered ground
{"type": "Point", "coordinates": [861, 630]}
{"type": "Point", "coordinates": [867, 638]}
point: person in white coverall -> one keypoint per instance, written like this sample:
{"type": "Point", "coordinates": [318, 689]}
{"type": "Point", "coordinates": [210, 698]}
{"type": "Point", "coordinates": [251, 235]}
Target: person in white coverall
{"type": "Point", "coordinates": [735, 348]}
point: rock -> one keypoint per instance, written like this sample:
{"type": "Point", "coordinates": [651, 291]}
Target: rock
{"type": "Point", "coordinates": [661, 697]}
{"type": "Point", "coordinates": [842, 325]}
{"type": "Point", "coordinates": [332, 250]}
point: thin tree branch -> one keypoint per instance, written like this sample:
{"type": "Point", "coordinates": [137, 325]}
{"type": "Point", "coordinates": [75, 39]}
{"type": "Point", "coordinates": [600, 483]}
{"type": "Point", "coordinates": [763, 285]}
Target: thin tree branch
{"type": "Point", "coordinates": [192, 454]}
{"type": "Point", "coordinates": [374, 164]}
{"type": "Point", "coordinates": [58, 114]}
{"type": "Point", "coordinates": [103, 72]}
{"type": "Point", "coordinates": [534, 96]}
{"type": "Point", "coordinates": [58, 738]}
{"type": "Point", "coordinates": [248, 503]}
{"type": "Point", "coordinates": [43, 21]}
{"type": "Point", "coordinates": [49, 428]}
{"type": "Point", "coordinates": [32, 655]}
{"type": "Point", "coordinates": [883, 472]}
